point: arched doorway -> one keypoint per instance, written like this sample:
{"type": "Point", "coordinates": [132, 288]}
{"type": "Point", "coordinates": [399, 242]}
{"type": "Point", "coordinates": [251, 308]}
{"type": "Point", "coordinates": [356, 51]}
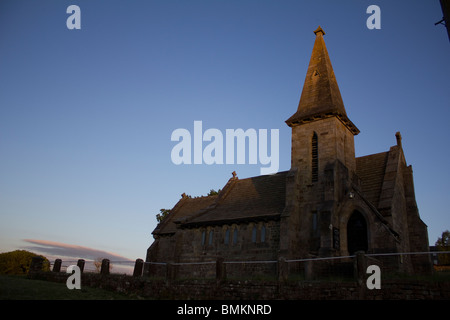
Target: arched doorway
{"type": "Point", "coordinates": [357, 233]}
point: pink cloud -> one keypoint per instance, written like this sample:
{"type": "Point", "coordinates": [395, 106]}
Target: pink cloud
{"type": "Point", "coordinates": [64, 250]}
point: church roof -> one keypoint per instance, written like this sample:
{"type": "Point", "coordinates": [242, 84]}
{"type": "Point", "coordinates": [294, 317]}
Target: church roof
{"type": "Point", "coordinates": [185, 208]}
{"type": "Point", "coordinates": [371, 170]}
{"type": "Point", "coordinates": [255, 198]}
{"type": "Point", "coordinates": [320, 96]}
{"type": "Point", "coordinates": [262, 197]}
{"type": "Point", "coordinates": [250, 199]}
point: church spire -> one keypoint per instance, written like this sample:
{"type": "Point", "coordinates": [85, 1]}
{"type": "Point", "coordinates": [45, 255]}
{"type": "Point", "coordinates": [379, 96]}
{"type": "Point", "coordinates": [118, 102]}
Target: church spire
{"type": "Point", "coordinates": [320, 97]}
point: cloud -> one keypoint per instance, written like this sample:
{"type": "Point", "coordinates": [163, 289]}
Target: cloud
{"type": "Point", "coordinates": [64, 250]}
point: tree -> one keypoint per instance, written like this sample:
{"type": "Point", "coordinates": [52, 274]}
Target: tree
{"type": "Point", "coordinates": [160, 216]}
{"type": "Point", "coordinates": [213, 192]}
{"type": "Point", "coordinates": [165, 212]}
{"type": "Point", "coordinates": [443, 244]}
{"type": "Point", "coordinates": [19, 261]}
{"type": "Point", "coordinates": [98, 264]}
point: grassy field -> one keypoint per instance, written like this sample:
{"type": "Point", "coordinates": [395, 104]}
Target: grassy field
{"type": "Point", "coordinates": [21, 288]}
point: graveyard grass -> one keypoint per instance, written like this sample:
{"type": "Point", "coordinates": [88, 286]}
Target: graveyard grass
{"type": "Point", "coordinates": [22, 288]}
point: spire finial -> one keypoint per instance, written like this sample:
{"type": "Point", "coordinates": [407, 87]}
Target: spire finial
{"type": "Point", "coordinates": [398, 136]}
{"type": "Point", "coordinates": [319, 30]}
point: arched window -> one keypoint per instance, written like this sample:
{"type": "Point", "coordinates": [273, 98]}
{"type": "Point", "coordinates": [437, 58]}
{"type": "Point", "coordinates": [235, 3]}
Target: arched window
{"type": "Point", "coordinates": [211, 235]}
{"type": "Point", "coordinates": [235, 235]}
{"type": "Point", "coordinates": [314, 223]}
{"type": "Point", "coordinates": [227, 237]}
{"type": "Point", "coordinates": [263, 233]}
{"type": "Point", "coordinates": [314, 159]}
{"type": "Point", "coordinates": [254, 234]}
{"type": "Point", "coordinates": [203, 237]}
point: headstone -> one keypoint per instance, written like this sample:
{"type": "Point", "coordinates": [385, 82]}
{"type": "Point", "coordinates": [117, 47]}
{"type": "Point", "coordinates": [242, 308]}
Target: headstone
{"type": "Point", "coordinates": [80, 264]}
{"type": "Point", "coordinates": [57, 265]}
{"type": "Point", "coordinates": [36, 264]}
{"type": "Point", "coordinates": [105, 266]}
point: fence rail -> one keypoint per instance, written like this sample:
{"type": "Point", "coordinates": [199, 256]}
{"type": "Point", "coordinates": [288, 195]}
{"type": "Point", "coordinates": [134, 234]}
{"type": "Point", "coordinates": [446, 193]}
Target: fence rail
{"type": "Point", "coordinates": [340, 267]}
{"type": "Point", "coordinates": [352, 267]}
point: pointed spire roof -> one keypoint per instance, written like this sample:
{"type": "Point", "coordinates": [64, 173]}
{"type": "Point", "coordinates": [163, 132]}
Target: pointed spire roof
{"type": "Point", "coordinates": [320, 97]}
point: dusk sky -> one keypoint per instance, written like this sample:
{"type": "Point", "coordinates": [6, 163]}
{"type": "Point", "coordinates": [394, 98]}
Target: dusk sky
{"type": "Point", "coordinates": [86, 115]}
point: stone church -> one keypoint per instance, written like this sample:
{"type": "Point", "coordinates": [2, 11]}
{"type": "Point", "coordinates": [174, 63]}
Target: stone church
{"type": "Point", "coordinates": [328, 204]}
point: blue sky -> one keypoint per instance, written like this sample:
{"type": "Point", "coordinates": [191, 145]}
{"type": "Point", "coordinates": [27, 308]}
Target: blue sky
{"type": "Point", "coordinates": [86, 116]}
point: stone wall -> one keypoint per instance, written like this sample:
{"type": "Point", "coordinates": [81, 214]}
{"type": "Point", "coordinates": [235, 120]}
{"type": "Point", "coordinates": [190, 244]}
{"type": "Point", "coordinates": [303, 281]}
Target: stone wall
{"type": "Point", "coordinates": [237, 241]}
{"type": "Point", "coordinates": [142, 287]}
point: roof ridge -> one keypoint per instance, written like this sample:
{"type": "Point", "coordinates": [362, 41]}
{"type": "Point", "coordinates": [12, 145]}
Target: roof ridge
{"type": "Point", "coordinates": [373, 154]}
{"type": "Point", "coordinates": [220, 196]}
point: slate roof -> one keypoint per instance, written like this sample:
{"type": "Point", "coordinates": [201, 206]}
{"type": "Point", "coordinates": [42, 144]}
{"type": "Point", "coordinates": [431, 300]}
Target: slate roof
{"type": "Point", "coordinates": [255, 198]}
{"type": "Point", "coordinates": [371, 169]}
{"type": "Point", "coordinates": [185, 208]}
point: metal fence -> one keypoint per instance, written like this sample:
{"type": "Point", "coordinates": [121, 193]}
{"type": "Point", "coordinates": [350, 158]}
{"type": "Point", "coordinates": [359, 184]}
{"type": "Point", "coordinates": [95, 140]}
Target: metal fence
{"type": "Point", "coordinates": [120, 267]}
{"type": "Point", "coordinates": [341, 268]}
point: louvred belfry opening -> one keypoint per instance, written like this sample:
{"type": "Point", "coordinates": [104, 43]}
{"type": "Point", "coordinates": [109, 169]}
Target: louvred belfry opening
{"type": "Point", "coordinates": [314, 159]}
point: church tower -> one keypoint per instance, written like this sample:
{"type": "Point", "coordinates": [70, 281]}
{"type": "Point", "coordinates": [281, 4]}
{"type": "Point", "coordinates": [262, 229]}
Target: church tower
{"type": "Point", "coordinates": [321, 119]}
{"type": "Point", "coordinates": [322, 159]}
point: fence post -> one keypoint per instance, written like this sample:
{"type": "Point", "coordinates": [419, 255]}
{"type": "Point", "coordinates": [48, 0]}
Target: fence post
{"type": "Point", "coordinates": [80, 264]}
{"type": "Point", "coordinates": [105, 267]}
{"type": "Point", "coordinates": [151, 269]}
{"type": "Point", "coordinates": [170, 271]}
{"type": "Point", "coordinates": [309, 269]}
{"type": "Point", "coordinates": [360, 266]}
{"type": "Point", "coordinates": [57, 265]}
{"type": "Point", "coordinates": [220, 269]}
{"type": "Point", "coordinates": [282, 269]}
{"type": "Point", "coordinates": [138, 266]}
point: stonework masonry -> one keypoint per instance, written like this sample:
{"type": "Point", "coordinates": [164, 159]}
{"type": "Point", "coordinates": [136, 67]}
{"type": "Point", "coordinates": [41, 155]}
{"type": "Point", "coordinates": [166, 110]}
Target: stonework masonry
{"type": "Point", "coordinates": [144, 288]}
